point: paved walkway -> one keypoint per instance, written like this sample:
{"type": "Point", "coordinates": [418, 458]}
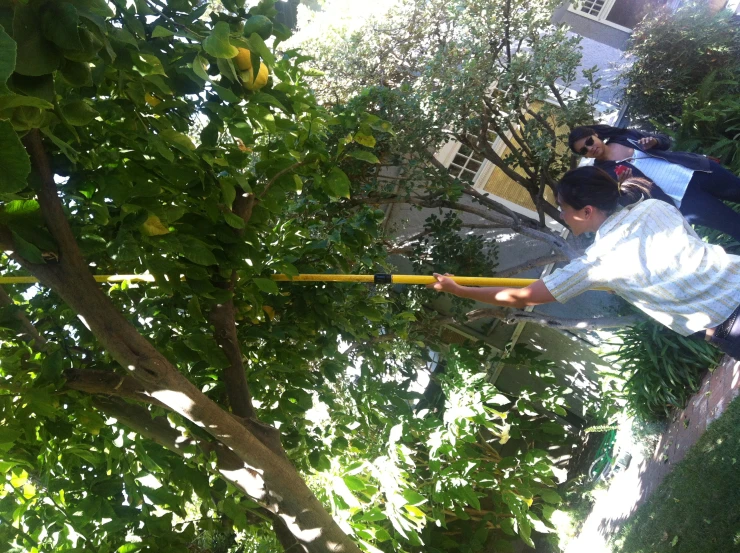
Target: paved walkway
{"type": "Point", "coordinates": [631, 488]}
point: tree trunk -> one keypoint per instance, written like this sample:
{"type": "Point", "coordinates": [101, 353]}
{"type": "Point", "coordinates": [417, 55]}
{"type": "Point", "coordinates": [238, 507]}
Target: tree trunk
{"type": "Point", "coordinates": [266, 477]}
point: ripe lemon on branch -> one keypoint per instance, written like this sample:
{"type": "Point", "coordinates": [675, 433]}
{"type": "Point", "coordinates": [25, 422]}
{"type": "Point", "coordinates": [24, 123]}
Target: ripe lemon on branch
{"type": "Point", "coordinates": [252, 82]}
{"type": "Point", "coordinates": [243, 60]}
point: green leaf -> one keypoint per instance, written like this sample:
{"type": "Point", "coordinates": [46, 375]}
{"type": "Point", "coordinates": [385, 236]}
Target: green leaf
{"type": "Point", "coordinates": [27, 250]}
{"type": "Point", "coordinates": [19, 208]}
{"type": "Point", "coordinates": [15, 100]}
{"type": "Point", "coordinates": [9, 435]}
{"type": "Point", "coordinates": [200, 67]}
{"type": "Point", "coordinates": [77, 73]}
{"type": "Point", "coordinates": [150, 64]}
{"type": "Point", "coordinates": [95, 7]}
{"type": "Point", "coordinates": [258, 45]}
{"type": "Point", "coordinates": [234, 221]}
{"type": "Point", "coordinates": [225, 94]}
{"type": "Point", "coordinates": [264, 98]}
{"type": "Point", "coordinates": [180, 140]}
{"type": "Point", "coordinates": [364, 155]}
{"type": "Point", "coordinates": [161, 32]}
{"type": "Point", "coordinates": [267, 285]}
{"type": "Point", "coordinates": [79, 113]}
{"type": "Point", "coordinates": [337, 183]}
{"type": "Point", "coordinates": [354, 483]}
{"type": "Point", "coordinates": [414, 498]}
{"type": "Point", "coordinates": [374, 515]}
{"type": "Point", "coordinates": [35, 55]}
{"type": "Point", "coordinates": [197, 251]}
{"type": "Point", "coordinates": [217, 44]}
{"type": "Point", "coordinates": [60, 23]}
{"type": "Point", "coordinates": [550, 496]}
{"type": "Point", "coordinates": [15, 163]}
{"type": "Point", "coordinates": [365, 139]}
{"type": "Point", "coordinates": [7, 59]}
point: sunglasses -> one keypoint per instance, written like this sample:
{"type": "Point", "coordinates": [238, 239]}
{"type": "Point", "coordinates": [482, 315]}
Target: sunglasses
{"type": "Point", "coordinates": [586, 145]}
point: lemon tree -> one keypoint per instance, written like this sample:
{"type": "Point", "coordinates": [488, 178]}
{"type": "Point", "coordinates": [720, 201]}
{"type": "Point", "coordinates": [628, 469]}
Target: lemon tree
{"type": "Point", "coordinates": [214, 408]}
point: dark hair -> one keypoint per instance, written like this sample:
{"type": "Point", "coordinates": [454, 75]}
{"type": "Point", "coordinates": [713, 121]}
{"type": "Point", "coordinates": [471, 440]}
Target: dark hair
{"type": "Point", "coordinates": [577, 134]}
{"type": "Point", "coordinates": [592, 186]}
{"type": "Point", "coordinates": [604, 132]}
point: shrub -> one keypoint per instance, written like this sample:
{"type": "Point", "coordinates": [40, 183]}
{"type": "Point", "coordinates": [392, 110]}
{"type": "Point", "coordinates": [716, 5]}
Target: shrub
{"type": "Point", "coordinates": [674, 53]}
{"type": "Point", "coordinates": [662, 369]}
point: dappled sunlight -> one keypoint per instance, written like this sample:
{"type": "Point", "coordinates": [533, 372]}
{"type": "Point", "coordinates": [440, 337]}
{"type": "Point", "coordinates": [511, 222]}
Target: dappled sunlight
{"type": "Point", "coordinates": [304, 535]}
{"type": "Point", "coordinates": [248, 479]}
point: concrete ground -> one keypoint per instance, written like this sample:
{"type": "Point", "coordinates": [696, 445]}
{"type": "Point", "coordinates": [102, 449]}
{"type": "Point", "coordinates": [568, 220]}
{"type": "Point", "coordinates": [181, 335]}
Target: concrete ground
{"type": "Point", "coordinates": [631, 488]}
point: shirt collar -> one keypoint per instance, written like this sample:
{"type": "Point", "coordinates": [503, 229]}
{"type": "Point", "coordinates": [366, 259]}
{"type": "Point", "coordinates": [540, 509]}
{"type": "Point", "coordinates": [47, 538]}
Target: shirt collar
{"type": "Point", "coordinates": [615, 218]}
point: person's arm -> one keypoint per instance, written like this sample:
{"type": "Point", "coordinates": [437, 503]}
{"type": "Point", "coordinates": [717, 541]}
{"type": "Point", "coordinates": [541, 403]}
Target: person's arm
{"type": "Point", "coordinates": [534, 294]}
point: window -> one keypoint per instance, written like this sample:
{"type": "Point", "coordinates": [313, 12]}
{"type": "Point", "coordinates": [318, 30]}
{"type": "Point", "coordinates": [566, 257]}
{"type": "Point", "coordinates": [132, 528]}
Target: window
{"type": "Point", "coordinates": [466, 164]}
{"type": "Point", "coordinates": [623, 14]}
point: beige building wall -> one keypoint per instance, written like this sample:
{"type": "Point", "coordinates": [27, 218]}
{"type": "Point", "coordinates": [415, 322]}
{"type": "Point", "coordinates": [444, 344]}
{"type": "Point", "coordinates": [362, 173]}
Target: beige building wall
{"type": "Point", "coordinates": [499, 184]}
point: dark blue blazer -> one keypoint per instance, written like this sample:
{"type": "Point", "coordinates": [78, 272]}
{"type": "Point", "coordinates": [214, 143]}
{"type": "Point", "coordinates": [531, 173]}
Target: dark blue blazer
{"type": "Point", "coordinates": [629, 138]}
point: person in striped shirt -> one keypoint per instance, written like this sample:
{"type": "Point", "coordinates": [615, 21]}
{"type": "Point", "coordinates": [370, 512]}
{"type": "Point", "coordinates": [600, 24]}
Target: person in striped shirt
{"type": "Point", "coordinates": [697, 185]}
{"type": "Point", "coordinates": [645, 252]}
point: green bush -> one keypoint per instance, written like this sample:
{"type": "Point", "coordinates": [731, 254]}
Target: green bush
{"type": "Point", "coordinates": [662, 369]}
{"type": "Point", "coordinates": [673, 53]}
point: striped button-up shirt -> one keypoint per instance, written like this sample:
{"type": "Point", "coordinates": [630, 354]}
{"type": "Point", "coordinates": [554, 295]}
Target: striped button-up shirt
{"type": "Point", "coordinates": [672, 178]}
{"type": "Point", "coordinates": [648, 254]}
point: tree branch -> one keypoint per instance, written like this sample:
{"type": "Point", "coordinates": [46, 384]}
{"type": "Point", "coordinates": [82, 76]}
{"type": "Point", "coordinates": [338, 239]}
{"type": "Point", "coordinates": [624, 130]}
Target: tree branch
{"type": "Point", "coordinates": [28, 329]}
{"type": "Point", "coordinates": [373, 341]}
{"type": "Point", "coordinates": [109, 383]}
{"type": "Point", "coordinates": [158, 430]}
{"type": "Point", "coordinates": [558, 243]}
{"type": "Point", "coordinates": [266, 476]}
{"type": "Point", "coordinates": [51, 206]}
{"type": "Point", "coordinates": [539, 262]}
{"type": "Point", "coordinates": [237, 389]}
{"type": "Point", "coordinates": [278, 175]}
{"type": "Point", "coordinates": [516, 316]}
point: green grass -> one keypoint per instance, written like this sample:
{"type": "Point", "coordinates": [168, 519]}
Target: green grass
{"type": "Point", "coordinates": [697, 508]}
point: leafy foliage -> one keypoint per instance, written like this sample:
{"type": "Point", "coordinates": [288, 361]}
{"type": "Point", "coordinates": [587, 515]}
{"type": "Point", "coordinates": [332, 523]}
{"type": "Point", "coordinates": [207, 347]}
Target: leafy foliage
{"type": "Point", "coordinates": [662, 369]}
{"type": "Point", "coordinates": [673, 53]}
{"type": "Point", "coordinates": [468, 70]}
{"type": "Point", "coordinates": [150, 155]}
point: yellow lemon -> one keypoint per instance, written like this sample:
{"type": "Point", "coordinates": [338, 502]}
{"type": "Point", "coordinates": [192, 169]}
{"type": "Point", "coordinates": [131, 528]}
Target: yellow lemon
{"type": "Point", "coordinates": [243, 59]}
{"type": "Point", "coordinates": [255, 83]}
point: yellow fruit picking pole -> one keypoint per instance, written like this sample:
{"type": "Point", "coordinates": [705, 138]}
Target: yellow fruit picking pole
{"type": "Point", "coordinates": [384, 278]}
{"type": "Point", "coordinates": [380, 278]}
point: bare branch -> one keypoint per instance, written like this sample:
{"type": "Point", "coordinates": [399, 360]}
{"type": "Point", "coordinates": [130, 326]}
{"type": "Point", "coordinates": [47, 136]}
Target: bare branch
{"type": "Point", "coordinates": [108, 383]}
{"type": "Point", "coordinates": [523, 164]}
{"type": "Point", "coordinates": [51, 205]}
{"type": "Point", "coordinates": [532, 264]}
{"type": "Point", "coordinates": [557, 95]}
{"type": "Point", "coordinates": [222, 317]}
{"type": "Point", "coordinates": [243, 206]}
{"type": "Point", "coordinates": [555, 241]}
{"type": "Point", "coordinates": [488, 202]}
{"type": "Point", "coordinates": [516, 316]}
{"type": "Point", "coordinates": [278, 175]}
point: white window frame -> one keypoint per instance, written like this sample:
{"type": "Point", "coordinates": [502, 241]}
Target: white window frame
{"type": "Point", "coordinates": [601, 18]}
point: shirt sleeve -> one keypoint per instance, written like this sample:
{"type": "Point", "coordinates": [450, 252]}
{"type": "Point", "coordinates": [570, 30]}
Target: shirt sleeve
{"type": "Point", "coordinates": [575, 278]}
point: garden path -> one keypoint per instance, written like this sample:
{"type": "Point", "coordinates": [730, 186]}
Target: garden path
{"type": "Point", "coordinates": [631, 488]}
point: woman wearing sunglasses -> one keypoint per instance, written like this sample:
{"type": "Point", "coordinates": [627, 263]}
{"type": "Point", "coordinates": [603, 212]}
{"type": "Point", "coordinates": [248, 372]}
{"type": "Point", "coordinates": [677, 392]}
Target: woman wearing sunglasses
{"type": "Point", "coordinates": [644, 251]}
{"type": "Point", "coordinates": [696, 184]}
